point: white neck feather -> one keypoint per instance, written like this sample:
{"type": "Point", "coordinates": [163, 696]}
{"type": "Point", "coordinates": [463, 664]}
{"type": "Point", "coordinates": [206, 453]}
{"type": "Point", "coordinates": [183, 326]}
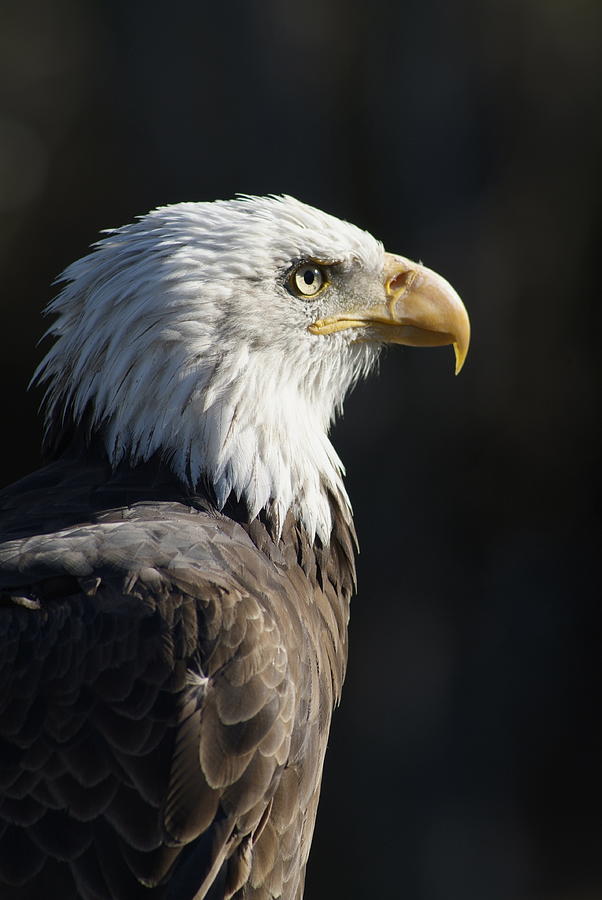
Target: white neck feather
{"type": "Point", "coordinates": [254, 432]}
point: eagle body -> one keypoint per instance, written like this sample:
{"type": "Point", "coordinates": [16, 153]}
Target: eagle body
{"type": "Point", "coordinates": [175, 582]}
{"type": "Point", "coordinates": [171, 672]}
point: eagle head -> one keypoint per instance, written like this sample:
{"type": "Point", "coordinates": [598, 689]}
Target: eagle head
{"type": "Point", "coordinates": [224, 336]}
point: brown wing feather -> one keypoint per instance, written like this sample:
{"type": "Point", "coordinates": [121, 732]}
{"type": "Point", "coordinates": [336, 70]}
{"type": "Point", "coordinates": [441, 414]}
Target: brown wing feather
{"type": "Point", "coordinates": [167, 686]}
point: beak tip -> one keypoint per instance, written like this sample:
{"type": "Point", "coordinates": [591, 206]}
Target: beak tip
{"type": "Point", "coordinates": [460, 353]}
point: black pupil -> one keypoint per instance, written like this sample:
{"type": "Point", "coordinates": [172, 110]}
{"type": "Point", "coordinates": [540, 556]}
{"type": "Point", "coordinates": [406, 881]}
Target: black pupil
{"type": "Point", "coordinates": [309, 276]}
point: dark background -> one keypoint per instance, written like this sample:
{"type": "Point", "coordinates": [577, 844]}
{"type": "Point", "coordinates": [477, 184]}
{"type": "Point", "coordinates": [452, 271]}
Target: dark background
{"type": "Point", "coordinates": [464, 761]}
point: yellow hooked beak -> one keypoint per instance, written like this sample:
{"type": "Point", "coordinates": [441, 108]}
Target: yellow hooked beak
{"type": "Point", "coordinates": [420, 309]}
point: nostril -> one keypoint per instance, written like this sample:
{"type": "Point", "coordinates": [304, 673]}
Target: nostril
{"type": "Point", "coordinates": [401, 281]}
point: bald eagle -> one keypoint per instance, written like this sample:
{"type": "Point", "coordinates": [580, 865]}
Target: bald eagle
{"type": "Point", "coordinates": [175, 583]}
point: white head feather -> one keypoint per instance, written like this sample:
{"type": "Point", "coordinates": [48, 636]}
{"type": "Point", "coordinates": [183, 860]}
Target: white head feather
{"type": "Point", "coordinates": [178, 335]}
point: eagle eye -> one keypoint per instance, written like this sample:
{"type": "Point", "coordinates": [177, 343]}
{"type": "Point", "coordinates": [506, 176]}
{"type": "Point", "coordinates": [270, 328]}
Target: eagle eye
{"type": "Point", "coordinates": [308, 279]}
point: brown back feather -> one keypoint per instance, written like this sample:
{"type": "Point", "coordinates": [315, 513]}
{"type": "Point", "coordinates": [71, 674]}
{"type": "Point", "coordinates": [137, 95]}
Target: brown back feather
{"type": "Point", "coordinates": [166, 687]}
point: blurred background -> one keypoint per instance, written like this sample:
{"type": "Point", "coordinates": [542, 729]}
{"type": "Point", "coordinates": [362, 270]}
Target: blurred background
{"type": "Point", "coordinates": [464, 762]}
